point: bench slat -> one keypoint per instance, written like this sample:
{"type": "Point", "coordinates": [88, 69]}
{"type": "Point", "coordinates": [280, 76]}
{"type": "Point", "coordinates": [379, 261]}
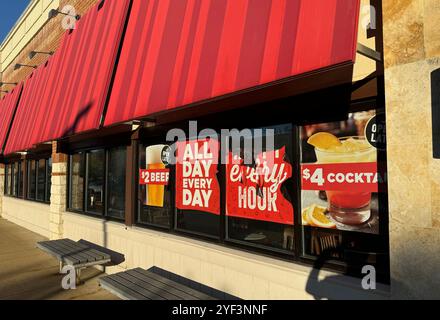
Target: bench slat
{"type": "Point", "coordinates": [181, 295]}
{"type": "Point", "coordinates": [77, 253]}
{"type": "Point", "coordinates": [97, 255]}
{"type": "Point", "coordinates": [193, 292]}
{"type": "Point", "coordinates": [120, 291]}
{"type": "Point", "coordinates": [61, 252]}
{"type": "Point", "coordinates": [160, 291]}
{"type": "Point", "coordinates": [146, 293]}
{"type": "Point", "coordinates": [73, 253]}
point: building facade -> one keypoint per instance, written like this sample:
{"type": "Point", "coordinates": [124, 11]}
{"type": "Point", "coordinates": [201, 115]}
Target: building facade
{"type": "Point", "coordinates": [83, 181]}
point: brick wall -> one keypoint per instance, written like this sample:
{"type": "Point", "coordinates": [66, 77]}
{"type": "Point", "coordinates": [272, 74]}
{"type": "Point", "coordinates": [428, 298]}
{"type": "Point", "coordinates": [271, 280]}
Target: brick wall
{"type": "Point", "coordinates": [46, 40]}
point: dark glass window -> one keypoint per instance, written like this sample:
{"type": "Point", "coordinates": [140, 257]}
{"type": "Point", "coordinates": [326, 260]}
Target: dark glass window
{"type": "Point", "coordinates": [7, 179]}
{"type": "Point", "coordinates": [154, 202]}
{"type": "Point", "coordinates": [95, 181]}
{"type": "Point", "coordinates": [38, 178]}
{"type": "Point", "coordinates": [77, 181]}
{"type": "Point", "coordinates": [49, 180]}
{"type": "Point", "coordinates": [116, 182]}
{"type": "Point", "coordinates": [199, 222]}
{"type": "Point", "coordinates": [256, 218]}
{"type": "Point", "coordinates": [32, 171]}
{"type": "Point", "coordinates": [41, 180]}
{"type": "Point", "coordinates": [21, 177]}
{"type": "Point", "coordinates": [15, 177]}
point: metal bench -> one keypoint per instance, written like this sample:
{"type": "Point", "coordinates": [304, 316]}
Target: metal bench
{"type": "Point", "coordinates": [75, 254]}
{"type": "Point", "coordinates": [140, 284]}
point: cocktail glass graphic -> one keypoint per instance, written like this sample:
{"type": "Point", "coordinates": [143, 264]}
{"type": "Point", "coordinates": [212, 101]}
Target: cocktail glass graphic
{"type": "Point", "coordinates": [350, 208]}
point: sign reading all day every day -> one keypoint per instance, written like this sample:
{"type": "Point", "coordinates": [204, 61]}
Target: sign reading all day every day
{"type": "Point", "coordinates": [197, 187]}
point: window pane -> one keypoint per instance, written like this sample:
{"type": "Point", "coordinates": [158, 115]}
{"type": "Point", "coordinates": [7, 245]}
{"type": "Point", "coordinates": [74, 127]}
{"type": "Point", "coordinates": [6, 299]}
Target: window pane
{"type": "Point", "coordinates": [7, 179]}
{"type": "Point", "coordinates": [95, 181]}
{"type": "Point", "coordinates": [41, 180]}
{"type": "Point", "coordinates": [349, 224]}
{"type": "Point", "coordinates": [116, 183]}
{"type": "Point", "coordinates": [259, 204]}
{"type": "Point", "coordinates": [14, 179]}
{"type": "Point", "coordinates": [153, 210]}
{"type": "Point", "coordinates": [49, 179]}
{"type": "Point", "coordinates": [32, 180]}
{"type": "Point", "coordinates": [197, 187]}
{"type": "Point", "coordinates": [20, 183]}
{"type": "Point", "coordinates": [77, 176]}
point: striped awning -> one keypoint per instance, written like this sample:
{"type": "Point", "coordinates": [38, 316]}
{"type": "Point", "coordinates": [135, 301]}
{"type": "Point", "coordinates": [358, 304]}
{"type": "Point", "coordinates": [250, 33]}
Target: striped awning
{"type": "Point", "coordinates": [72, 88]}
{"type": "Point", "coordinates": [178, 53]}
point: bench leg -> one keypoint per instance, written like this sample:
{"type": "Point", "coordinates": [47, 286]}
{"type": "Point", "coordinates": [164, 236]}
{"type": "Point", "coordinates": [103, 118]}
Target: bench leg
{"type": "Point", "coordinates": [61, 267]}
{"type": "Point", "coordinates": [78, 276]}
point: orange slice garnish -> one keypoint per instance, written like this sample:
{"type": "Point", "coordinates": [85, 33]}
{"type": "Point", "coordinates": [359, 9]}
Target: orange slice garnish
{"type": "Point", "coordinates": [317, 217]}
{"type": "Point", "coordinates": [324, 140]}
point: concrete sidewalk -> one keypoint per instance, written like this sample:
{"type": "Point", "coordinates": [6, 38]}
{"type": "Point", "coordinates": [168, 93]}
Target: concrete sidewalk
{"type": "Point", "coordinates": [27, 273]}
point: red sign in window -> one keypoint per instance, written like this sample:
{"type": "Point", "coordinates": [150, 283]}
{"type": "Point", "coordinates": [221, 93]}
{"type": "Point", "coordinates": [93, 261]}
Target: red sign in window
{"type": "Point", "coordinates": [197, 187]}
{"type": "Point", "coordinates": [255, 192]}
{"type": "Point", "coordinates": [154, 177]}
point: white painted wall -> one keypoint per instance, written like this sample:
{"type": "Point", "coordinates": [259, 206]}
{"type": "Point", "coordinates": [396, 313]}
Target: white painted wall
{"type": "Point", "coordinates": [31, 215]}
{"type": "Point", "coordinates": [243, 274]}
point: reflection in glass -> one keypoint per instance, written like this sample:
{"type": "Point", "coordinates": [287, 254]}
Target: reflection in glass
{"type": "Point", "coordinates": [116, 183]}
{"type": "Point", "coordinates": [32, 180]}
{"type": "Point", "coordinates": [20, 183]}
{"type": "Point", "coordinates": [77, 176]}
{"type": "Point", "coordinates": [7, 179]}
{"type": "Point", "coordinates": [41, 180]}
{"type": "Point", "coordinates": [95, 181]}
{"type": "Point", "coordinates": [49, 179]}
{"type": "Point", "coordinates": [15, 174]}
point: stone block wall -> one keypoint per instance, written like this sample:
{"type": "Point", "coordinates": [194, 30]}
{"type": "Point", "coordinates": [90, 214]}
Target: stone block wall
{"type": "Point", "coordinates": [412, 52]}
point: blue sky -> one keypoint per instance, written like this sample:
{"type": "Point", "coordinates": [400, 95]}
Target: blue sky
{"type": "Point", "coordinates": [9, 14]}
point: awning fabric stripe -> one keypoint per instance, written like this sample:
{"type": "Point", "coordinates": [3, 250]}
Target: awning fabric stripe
{"type": "Point", "coordinates": [72, 89]}
{"type": "Point", "coordinates": [8, 106]}
{"type": "Point", "coordinates": [176, 53]}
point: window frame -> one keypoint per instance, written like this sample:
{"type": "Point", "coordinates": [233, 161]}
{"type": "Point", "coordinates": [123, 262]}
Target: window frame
{"type": "Point", "coordinates": [298, 255]}
{"type": "Point", "coordinates": [47, 177]}
{"type": "Point", "coordinates": [221, 238]}
{"type": "Point", "coordinates": [22, 170]}
{"type": "Point", "coordinates": [85, 155]}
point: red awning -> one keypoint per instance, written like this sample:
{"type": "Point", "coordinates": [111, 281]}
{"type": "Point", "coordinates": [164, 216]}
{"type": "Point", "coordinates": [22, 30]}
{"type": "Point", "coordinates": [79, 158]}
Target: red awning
{"type": "Point", "coordinates": [178, 53]}
{"type": "Point", "coordinates": [70, 96]}
{"type": "Point", "coordinates": [8, 105]}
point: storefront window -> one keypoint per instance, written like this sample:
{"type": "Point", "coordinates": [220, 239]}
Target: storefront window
{"type": "Point", "coordinates": [95, 181]}
{"type": "Point", "coordinates": [265, 198]}
{"type": "Point", "coordinates": [49, 180]}
{"type": "Point", "coordinates": [15, 174]}
{"type": "Point", "coordinates": [21, 177]}
{"type": "Point", "coordinates": [8, 179]}
{"type": "Point", "coordinates": [77, 181]}
{"type": "Point", "coordinates": [259, 204]}
{"type": "Point", "coordinates": [103, 192]}
{"type": "Point", "coordinates": [38, 178]}
{"type": "Point", "coordinates": [116, 182]}
{"type": "Point", "coordinates": [41, 180]}
{"type": "Point", "coordinates": [344, 190]}
{"type": "Point", "coordinates": [32, 171]}
{"type": "Point", "coordinates": [197, 187]}
{"type": "Point", "coordinates": [154, 200]}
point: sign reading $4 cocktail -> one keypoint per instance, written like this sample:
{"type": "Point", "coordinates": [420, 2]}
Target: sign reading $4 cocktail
{"type": "Point", "coordinates": [340, 178]}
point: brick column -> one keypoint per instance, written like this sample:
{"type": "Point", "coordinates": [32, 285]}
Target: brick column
{"type": "Point", "coordinates": [2, 186]}
{"type": "Point", "coordinates": [58, 198]}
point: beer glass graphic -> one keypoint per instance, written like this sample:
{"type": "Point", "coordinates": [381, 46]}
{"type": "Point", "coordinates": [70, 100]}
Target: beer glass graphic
{"type": "Point", "coordinates": [155, 193]}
